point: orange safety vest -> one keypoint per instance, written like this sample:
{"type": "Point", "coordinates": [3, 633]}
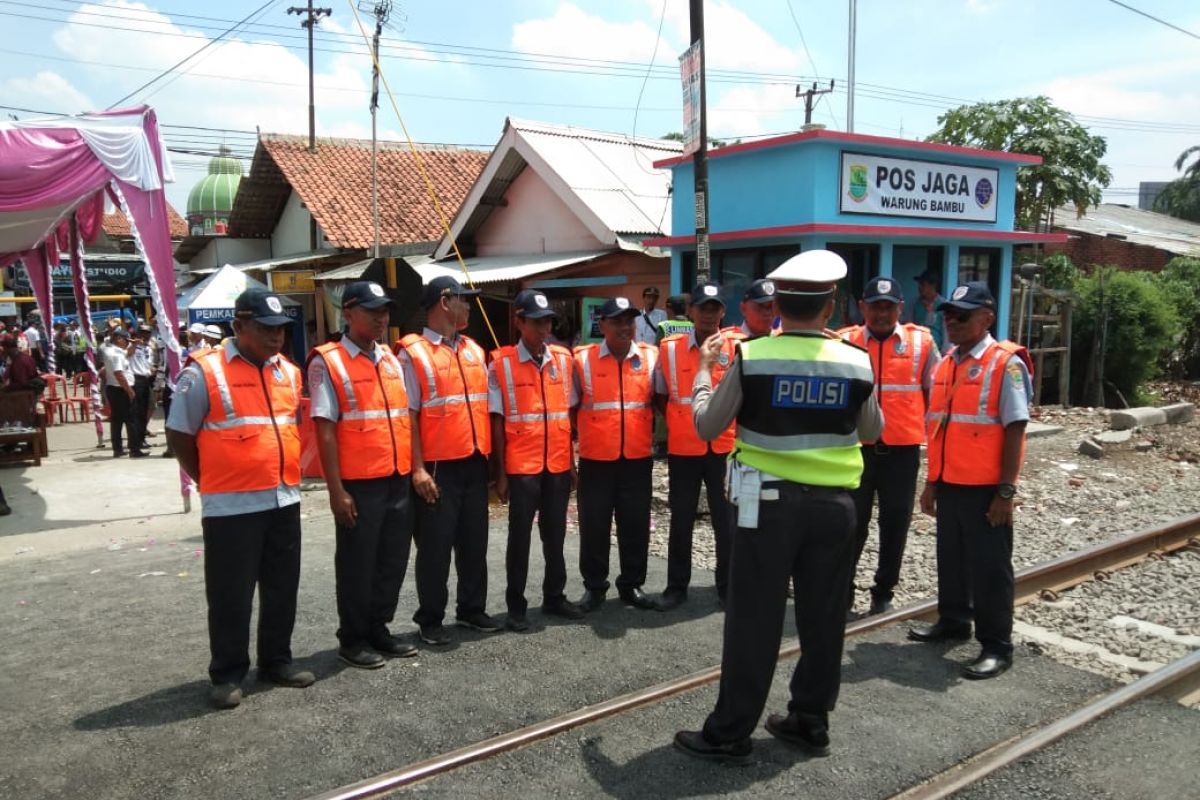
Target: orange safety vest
{"type": "Point", "coordinates": [374, 433]}
{"type": "Point", "coordinates": [537, 410]}
{"type": "Point", "coordinates": [616, 414]}
{"type": "Point", "coordinates": [898, 364]}
{"type": "Point", "coordinates": [454, 415]}
{"type": "Point", "coordinates": [966, 437]}
{"type": "Point", "coordinates": [679, 362]}
{"type": "Point", "coordinates": [250, 439]}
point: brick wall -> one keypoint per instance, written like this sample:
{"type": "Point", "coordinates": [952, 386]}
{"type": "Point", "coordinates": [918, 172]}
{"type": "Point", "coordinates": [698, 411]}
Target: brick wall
{"type": "Point", "coordinates": [1086, 250]}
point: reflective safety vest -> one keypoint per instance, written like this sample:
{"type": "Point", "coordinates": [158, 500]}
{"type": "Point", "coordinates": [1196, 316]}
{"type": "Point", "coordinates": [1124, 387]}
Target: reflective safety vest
{"type": "Point", "coordinates": [898, 364]}
{"type": "Point", "coordinates": [801, 394]}
{"type": "Point", "coordinates": [966, 436]}
{"type": "Point", "coordinates": [454, 415]}
{"type": "Point", "coordinates": [616, 415]}
{"type": "Point", "coordinates": [374, 433]}
{"type": "Point", "coordinates": [537, 410]}
{"type": "Point", "coordinates": [250, 439]}
{"type": "Point", "coordinates": [679, 362]}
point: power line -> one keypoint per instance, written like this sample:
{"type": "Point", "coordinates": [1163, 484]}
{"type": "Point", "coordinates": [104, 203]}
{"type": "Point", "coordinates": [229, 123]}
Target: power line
{"type": "Point", "coordinates": [811, 62]}
{"type": "Point", "coordinates": [1159, 20]}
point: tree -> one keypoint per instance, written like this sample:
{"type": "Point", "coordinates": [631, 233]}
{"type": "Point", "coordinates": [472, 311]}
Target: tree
{"type": "Point", "coordinates": [1179, 281]}
{"type": "Point", "coordinates": [1181, 197]}
{"type": "Point", "coordinates": [1071, 170]}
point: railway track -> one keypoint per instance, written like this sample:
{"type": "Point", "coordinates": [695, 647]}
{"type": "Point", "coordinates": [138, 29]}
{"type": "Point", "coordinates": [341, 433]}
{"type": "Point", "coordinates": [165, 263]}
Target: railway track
{"type": "Point", "coordinates": [1046, 578]}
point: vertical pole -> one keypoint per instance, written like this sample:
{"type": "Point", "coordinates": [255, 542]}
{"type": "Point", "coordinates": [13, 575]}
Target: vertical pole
{"type": "Point", "coordinates": [850, 67]}
{"type": "Point", "coordinates": [700, 157]}
{"type": "Point", "coordinates": [312, 103]}
{"type": "Point", "coordinates": [374, 137]}
{"type": "Point", "coordinates": [389, 265]}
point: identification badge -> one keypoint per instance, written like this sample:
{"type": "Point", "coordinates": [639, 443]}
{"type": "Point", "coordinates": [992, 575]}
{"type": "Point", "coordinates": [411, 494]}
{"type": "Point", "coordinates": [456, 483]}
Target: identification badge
{"type": "Point", "coordinates": [553, 372]}
{"type": "Point", "coordinates": [900, 347]}
{"type": "Point", "coordinates": [468, 356]}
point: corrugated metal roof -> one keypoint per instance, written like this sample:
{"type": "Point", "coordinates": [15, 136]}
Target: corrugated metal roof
{"type": "Point", "coordinates": [497, 269]}
{"type": "Point", "coordinates": [1134, 225]}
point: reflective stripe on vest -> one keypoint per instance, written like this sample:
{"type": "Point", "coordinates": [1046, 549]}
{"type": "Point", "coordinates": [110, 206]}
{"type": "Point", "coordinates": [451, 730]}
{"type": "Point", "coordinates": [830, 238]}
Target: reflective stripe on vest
{"type": "Point", "coordinates": [374, 433]}
{"type": "Point", "coordinates": [616, 416]}
{"type": "Point", "coordinates": [537, 420]}
{"type": "Point", "coordinates": [800, 404]}
{"type": "Point", "coordinates": [249, 440]}
{"type": "Point", "coordinates": [897, 376]}
{"type": "Point", "coordinates": [680, 362]}
{"type": "Point", "coordinates": [453, 383]}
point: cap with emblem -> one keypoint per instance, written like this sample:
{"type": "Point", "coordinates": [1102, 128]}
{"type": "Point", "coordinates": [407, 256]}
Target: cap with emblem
{"type": "Point", "coordinates": [365, 294]}
{"type": "Point", "coordinates": [929, 276]}
{"type": "Point", "coordinates": [881, 288]}
{"type": "Point", "coordinates": [532, 304]}
{"type": "Point", "coordinates": [119, 333]}
{"type": "Point", "coordinates": [196, 328]}
{"type": "Point", "coordinates": [615, 307]}
{"type": "Point", "coordinates": [706, 293]}
{"type": "Point", "coordinates": [970, 296]}
{"type": "Point", "coordinates": [260, 305]}
{"type": "Point", "coordinates": [761, 291]}
{"type": "Point", "coordinates": [213, 332]}
{"type": "Point", "coordinates": [444, 286]}
{"type": "Point", "coordinates": [814, 270]}
{"type": "Point", "coordinates": [650, 290]}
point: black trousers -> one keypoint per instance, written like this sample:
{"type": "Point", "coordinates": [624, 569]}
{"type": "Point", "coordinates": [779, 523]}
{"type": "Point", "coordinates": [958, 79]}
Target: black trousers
{"type": "Point", "coordinates": [889, 473]}
{"type": "Point", "coordinates": [372, 557]}
{"type": "Point", "coordinates": [806, 536]}
{"type": "Point", "coordinates": [243, 551]}
{"type": "Point", "coordinates": [974, 561]}
{"type": "Point", "coordinates": [457, 523]}
{"type": "Point", "coordinates": [122, 417]}
{"type": "Point", "coordinates": [544, 495]}
{"type": "Point", "coordinates": [143, 399]}
{"type": "Point", "coordinates": [622, 489]}
{"type": "Point", "coordinates": [686, 473]}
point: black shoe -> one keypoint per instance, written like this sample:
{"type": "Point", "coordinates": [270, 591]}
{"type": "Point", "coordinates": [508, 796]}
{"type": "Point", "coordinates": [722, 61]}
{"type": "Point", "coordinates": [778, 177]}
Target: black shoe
{"type": "Point", "coordinates": [225, 695]}
{"type": "Point", "coordinates": [879, 606]}
{"type": "Point", "coordinates": [563, 608]}
{"type": "Point", "coordinates": [671, 599]}
{"type": "Point", "coordinates": [168, 453]}
{"type": "Point", "coordinates": [435, 635]}
{"type": "Point", "coordinates": [518, 623]}
{"type": "Point", "coordinates": [809, 732]}
{"type": "Point", "coordinates": [988, 665]}
{"type": "Point", "coordinates": [138, 453]}
{"type": "Point", "coordinates": [392, 647]}
{"type": "Point", "coordinates": [638, 599]}
{"type": "Point", "coordinates": [591, 600]}
{"type": "Point", "coordinates": [941, 631]}
{"type": "Point", "coordinates": [480, 621]}
{"type": "Point", "coordinates": [287, 675]}
{"type": "Point", "coordinates": [4, 509]}
{"type": "Point", "coordinates": [118, 454]}
{"type": "Point", "coordinates": [360, 657]}
{"type": "Point", "coordinates": [694, 744]}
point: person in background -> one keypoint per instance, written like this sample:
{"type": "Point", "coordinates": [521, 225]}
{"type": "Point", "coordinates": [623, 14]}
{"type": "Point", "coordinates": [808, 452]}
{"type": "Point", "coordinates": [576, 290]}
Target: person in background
{"type": "Point", "coordinates": [119, 390]}
{"type": "Point", "coordinates": [142, 367]}
{"type": "Point", "coordinates": [758, 308]}
{"type": "Point", "coordinates": [20, 371]}
{"type": "Point", "coordinates": [925, 310]}
{"type": "Point", "coordinates": [646, 324]}
{"type": "Point", "coordinates": [679, 322]}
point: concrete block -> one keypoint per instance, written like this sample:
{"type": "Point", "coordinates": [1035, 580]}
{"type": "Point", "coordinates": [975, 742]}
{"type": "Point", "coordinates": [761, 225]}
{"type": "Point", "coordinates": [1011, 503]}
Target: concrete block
{"type": "Point", "coordinates": [1179, 413]}
{"type": "Point", "coordinates": [1129, 418]}
{"type": "Point", "coordinates": [1034, 430]}
{"type": "Point", "coordinates": [1089, 447]}
{"type": "Point", "coordinates": [1113, 437]}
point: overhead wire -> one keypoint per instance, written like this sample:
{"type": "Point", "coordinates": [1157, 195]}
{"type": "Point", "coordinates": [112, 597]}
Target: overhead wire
{"type": "Point", "coordinates": [824, 95]}
{"type": "Point", "coordinates": [1159, 20]}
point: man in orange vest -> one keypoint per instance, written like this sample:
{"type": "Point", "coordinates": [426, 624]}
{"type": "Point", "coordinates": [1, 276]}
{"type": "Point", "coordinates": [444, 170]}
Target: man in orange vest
{"type": "Point", "coordinates": [529, 396]}
{"type": "Point", "coordinates": [233, 428]}
{"type": "Point", "coordinates": [902, 357]}
{"type": "Point", "coordinates": [614, 417]}
{"type": "Point", "coordinates": [450, 461]}
{"type": "Point", "coordinates": [360, 406]}
{"type": "Point", "coordinates": [758, 308]}
{"type": "Point", "coordinates": [692, 461]}
{"type": "Point", "coordinates": [978, 409]}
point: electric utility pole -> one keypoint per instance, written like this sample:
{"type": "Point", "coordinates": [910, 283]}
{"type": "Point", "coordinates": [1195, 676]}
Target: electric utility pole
{"type": "Point", "coordinates": [700, 157]}
{"type": "Point", "coordinates": [810, 96]}
{"type": "Point", "coordinates": [314, 16]}
{"type": "Point", "coordinates": [853, 32]}
{"type": "Point", "coordinates": [381, 10]}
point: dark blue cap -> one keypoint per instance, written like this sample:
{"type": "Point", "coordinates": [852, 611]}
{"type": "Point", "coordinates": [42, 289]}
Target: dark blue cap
{"type": "Point", "coordinates": [707, 292]}
{"type": "Point", "coordinates": [970, 296]}
{"type": "Point", "coordinates": [615, 307]}
{"type": "Point", "coordinates": [761, 291]}
{"type": "Point", "coordinates": [929, 276]}
{"type": "Point", "coordinates": [260, 305]}
{"type": "Point", "coordinates": [444, 286]}
{"type": "Point", "coordinates": [532, 304]}
{"type": "Point", "coordinates": [882, 288]}
{"type": "Point", "coordinates": [365, 294]}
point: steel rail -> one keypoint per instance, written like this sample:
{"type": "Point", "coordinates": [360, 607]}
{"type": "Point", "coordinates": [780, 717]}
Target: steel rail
{"type": "Point", "coordinates": [1058, 573]}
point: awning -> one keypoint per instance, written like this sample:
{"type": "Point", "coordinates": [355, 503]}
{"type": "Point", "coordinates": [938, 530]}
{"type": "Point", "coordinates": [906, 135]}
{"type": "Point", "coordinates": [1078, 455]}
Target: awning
{"type": "Point", "coordinates": [498, 269]}
{"type": "Point", "coordinates": [352, 272]}
{"type": "Point", "coordinates": [268, 264]}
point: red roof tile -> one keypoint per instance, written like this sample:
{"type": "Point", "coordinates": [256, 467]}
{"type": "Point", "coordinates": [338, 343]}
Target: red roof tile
{"type": "Point", "coordinates": [116, 226]}
{"type": "Point", "coordinates": [334, 183]}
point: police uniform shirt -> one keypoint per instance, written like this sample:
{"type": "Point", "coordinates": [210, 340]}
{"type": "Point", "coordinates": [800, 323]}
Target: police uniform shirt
{"type": "Point", "coordinates": [139, 361]}
{"type": "Point", "coordinates": [1016, 392]}
{"type": "Point", "coordinates": [325, 404]}
{"type": "Point", "coordinates": [496, 397]}
{"type": "Point", "coordinates": [115, 361]}
{"type": "Point", "coordinates": [189, 407]}
{"type": "Point", "coordinates": [633, 354]}
{"type": "Point", "coordinates": [646, 331]}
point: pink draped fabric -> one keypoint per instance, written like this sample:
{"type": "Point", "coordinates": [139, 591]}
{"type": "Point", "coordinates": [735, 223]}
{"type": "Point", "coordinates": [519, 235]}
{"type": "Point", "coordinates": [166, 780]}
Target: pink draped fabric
{"type": "Point", "coordinates": [38, 269]}
{"type": "Point", "coordinates": [46, 167]}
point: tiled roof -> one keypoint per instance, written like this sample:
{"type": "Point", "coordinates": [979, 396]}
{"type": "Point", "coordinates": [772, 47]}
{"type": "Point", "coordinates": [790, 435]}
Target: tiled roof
{"type": "Point", "coordinates": [334, 183]}
{"type": "Point", "coordinates": [116, 226]}
{"type": "Point", "coordinates": [1133, 224]}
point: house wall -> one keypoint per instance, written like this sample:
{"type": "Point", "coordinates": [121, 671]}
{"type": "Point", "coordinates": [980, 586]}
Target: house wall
{"type": "Point", "coordinates": [534, 221]}
{"type": "Point", "coordinates": [292, 231]}
{"type": "Point", "coordinates": [223, 250]}
{"type": "Point", "coordinates": [1086, 250]}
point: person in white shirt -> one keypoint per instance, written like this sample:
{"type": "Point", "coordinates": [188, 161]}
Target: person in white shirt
{"type": "Point", "coordinates": [118, 389]}
{"type": "Point", "coordinates": [646, 322]}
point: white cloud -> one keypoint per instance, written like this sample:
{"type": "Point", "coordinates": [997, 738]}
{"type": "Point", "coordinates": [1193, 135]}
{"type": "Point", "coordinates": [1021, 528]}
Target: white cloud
{"type": "Point", "coordinates": [755, 110]}
{"type": "Point", "coordinates": [573, 32]}
{"type": "Point", "coordinates": [45, 90]}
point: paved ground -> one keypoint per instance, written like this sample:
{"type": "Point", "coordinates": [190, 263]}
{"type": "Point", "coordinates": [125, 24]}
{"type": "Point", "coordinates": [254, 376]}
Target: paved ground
{"type": "Point", "coordinates": [104, 688]}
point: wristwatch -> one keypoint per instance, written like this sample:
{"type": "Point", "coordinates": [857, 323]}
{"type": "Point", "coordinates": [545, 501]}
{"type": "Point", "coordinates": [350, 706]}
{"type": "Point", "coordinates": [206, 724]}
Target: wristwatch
{"type": "Point", "coordinates": [1006, 491]}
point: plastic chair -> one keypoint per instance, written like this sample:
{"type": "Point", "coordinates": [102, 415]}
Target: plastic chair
{"type": "Point", "coordinates": [58, 401]}
{"type": "Point", "coordinates": [81, 392]}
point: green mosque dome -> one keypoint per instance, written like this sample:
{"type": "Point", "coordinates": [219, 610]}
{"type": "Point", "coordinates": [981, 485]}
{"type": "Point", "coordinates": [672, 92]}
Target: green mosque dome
{"type": "Point", "coordinates": [211, 199]}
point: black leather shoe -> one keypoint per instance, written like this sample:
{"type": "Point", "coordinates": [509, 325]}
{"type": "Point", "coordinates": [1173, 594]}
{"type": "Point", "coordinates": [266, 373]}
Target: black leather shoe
{"type": "Point", "coordinates": [435, 635]}
{"type": "Point", "coordinates": [988, 665]}
{"type": "Point", "coordinates": [563, 608]}
{"type": "Point", "coordinates": [940, 631]}
{"type": "Point", "coordinates": [287, 675]}
{"type": "Point", "coordinates": [694, 744]}
{"type": "Point", "coordinates": [392, 647]}
{"type": "Point", "coordinates": [480, 621]}
{"type": "Point", "coordinates": [591, 600]}
{"type": "Point", "coordinates": [517, 623]}
{"type": "Point", "coordinates": [638, 599]}
{"type": "Point", "coordinates": [809, 732]}
{"type": "Point", "coordinates": [671, 599]}
{"type": "Point", "coordinates": [879, 606]}
{"type": "Point", "coordinates": [360, 657]}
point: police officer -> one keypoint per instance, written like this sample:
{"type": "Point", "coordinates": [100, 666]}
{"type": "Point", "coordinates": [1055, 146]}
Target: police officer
{"type": "Point", "coordinates": [450, 469]}
{"type": "Point", "coordinates": [360, 406]}
{"type": "Point", "coordinates": [902, 357]}
{"type": "Point", "coordinates": [758, 308]}
{"type": "Point", "coordinates": [233, 428]}
{"type": "Point", "coordinates": [679, 322]}
{"type": "Point", "coordinates": [646, 324]}
{"type": "Point", "coordinates": [978, 409]}
{"type": "Point", "coordinates": [529, 396]}
{"type": "Point", "coordinates": [141, 364]}
{"type": "Point", "coordinates": [802, 401]}
{"type": "Point", "coordinates": [692, 461]}
{"type": "Point", "coordinates": [614, 390]}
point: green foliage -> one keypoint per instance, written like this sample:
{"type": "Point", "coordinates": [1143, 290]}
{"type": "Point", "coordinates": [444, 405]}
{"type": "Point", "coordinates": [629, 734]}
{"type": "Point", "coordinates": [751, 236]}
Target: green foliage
{"type": "Point", "coordinates": [1181, 198]}
{"type": "Point", "coordinates": [1060, 272]}
{"type": "Point", "coordinates": [1071, 171]}
{"type": "Point", "coordinates": [1180, 283]}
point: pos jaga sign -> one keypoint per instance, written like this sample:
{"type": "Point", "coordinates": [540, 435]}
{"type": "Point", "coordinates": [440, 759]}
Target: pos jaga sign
{"type": "Point", "coordinates": [900, 187]}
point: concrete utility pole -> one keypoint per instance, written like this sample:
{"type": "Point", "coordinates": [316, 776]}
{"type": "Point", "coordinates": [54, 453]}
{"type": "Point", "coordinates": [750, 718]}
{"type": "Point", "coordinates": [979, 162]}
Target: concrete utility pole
{"type": "Point", "coordinates": [310, 22]}
{"type": "Point", "coordinates": [850, 67]}
{"type": "Point", "coordinates": [381, 10]}
{"type": "Point", "coordinates": [700, 157]}
{"type": "Point", "coordinates": [810, 96]}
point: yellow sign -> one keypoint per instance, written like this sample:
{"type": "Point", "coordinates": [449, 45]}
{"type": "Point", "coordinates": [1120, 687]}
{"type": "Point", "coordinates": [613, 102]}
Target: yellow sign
{"type": "Point", "coordinates": [298, 281]}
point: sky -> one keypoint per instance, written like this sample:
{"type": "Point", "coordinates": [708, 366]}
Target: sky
{"type": "Point", "coordinates": [458, 68]}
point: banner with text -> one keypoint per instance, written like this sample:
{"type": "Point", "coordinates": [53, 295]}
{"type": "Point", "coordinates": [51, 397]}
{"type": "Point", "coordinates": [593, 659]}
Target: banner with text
{"type": "Point", "coordinates": [689, 75]}
{"type": "Point", "coordinates": [901, 187]}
